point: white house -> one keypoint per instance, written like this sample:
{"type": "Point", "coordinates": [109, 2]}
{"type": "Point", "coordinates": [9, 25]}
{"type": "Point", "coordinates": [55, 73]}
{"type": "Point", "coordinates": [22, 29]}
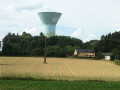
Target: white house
{"type": "Point", "coordinates": [107, 55]}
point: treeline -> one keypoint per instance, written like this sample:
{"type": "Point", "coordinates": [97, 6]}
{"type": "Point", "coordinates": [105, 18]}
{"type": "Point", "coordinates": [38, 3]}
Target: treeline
{"type": "Point", "coordinates": [26, 44]}
{"type": "Point", "coordinates": [110, 43]}
{"type": "Point", "coordinates": [57, 46]}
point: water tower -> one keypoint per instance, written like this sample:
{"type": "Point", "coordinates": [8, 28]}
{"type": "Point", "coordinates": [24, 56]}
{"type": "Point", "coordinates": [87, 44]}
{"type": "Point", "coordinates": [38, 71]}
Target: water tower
{"type": "Point", "coordinates": [49, 21]}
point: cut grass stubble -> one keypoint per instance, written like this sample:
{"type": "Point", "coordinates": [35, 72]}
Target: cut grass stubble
{"type": "Point", "coordinates": [58, 69]}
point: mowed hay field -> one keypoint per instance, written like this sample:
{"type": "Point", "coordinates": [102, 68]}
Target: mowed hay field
{"type": "Point", "coordinates": [58, 69]}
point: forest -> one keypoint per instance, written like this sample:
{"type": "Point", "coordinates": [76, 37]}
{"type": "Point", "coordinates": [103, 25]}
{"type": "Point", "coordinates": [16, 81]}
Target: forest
{"type": "Point", "coordinates": [57, 46]}
{"type": "Point", "coordinates": [28, 45]}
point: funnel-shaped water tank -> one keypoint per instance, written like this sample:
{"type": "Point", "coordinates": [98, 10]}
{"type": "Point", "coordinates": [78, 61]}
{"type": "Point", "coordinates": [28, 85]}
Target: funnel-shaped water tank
{"type": "Point", "coordinates": [49, 21]}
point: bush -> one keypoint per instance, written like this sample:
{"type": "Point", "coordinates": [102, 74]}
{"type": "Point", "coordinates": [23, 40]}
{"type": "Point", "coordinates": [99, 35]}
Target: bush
{"type": "Point", "coordinates": [38, 51]}
{"type": "Point", "coordinates": [1, 53]}
{"type": "Point", "coordinates": [115, 53]}
{"type": "Point", "coordinates": [55, 51]}
{"type": "Point", "coordinates": [117, 62]}
{"type": "Point", "coordinates": [99, 55]}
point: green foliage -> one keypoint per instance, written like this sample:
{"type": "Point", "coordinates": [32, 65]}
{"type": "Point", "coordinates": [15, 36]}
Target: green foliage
{"type": "Point", "coordinates": [91, 44]}
{"type": "Point", "coordinates": [7, 47]}
{"type": "Point", "coordinates": [57, 85]}
{"type": "Point", "coordinates": [109, 42]}
{"type": "Point", "coordinates": [37, 52]}
{"type": "Point", "coordinates": [55, 51]}
{"type": "Point", "coordinates": [26, 44]}
{"type": "Point", "coordinates": [99, 55]}
{"type": "Point", "coordinates": [66, 40]}
{"type": "Point", "coordinates": [41, 34]}
{"type": "Point", "coordinates": [26, 34]}
{"type": "Point", "coordinates": [15, 49]}
{"type": "Point", "coordinates": [115, 53]}
{"type": "Point", "coordinates": [117, 62]}
{"type": "Point", "coordinates": [69, 49]}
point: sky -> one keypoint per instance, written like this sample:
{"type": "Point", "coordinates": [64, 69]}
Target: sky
{"type": "Point", "coordinates": [82, 19]}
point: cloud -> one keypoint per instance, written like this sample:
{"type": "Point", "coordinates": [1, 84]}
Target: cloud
{"type": "Point", "coordinates": [118, 30]}
{"type": "Point", "coordinates": [32, 31]}
{"type": "Point", "coordinates": [76, 33]}
{"type": "Point", "coordinates": [29, 7]}
{"type": "Point", "coordinates": [60, 32]}
{"type": "Point", "coordinates": [1, 37]}
{"type": "Point", "coordinates": [85, 36]}
{"type": "Point", "coordinates": [95, 16]}
{"type": "Point", "coordinates": [40, 6]}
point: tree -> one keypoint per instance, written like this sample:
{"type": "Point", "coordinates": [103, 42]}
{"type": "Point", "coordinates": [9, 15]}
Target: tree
{"type": "Point", "coordinates": [15, 49]}
{"type": "Point", "coordinates": [91, 44]}
{"type": "Point", "coordinates": [26, 34]}
{"type": "Point", "coordinates": [69, 49]}
{"type": "Point", "coordinates": [57, 46]}
{"type": "Point", "coordinates": [7, 48]}
{"type": "Point", "coordinates": [41, 34]}
{"type": "Point", "coordinates": [99, 55]}
{"type": "Point", "coordinates": [51, 41]}
{"type": "Point", "coordinates": [115, 53]}
{"type": "Point", "coordinates": [53, 51]}
{"type": "Point", "coordinates": [109, 42]}
{"type": "Point", "coordinates": [37, 51]}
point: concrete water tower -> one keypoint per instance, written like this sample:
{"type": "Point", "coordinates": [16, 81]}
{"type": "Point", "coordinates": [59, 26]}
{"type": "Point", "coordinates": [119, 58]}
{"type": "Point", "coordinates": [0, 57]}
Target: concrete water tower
{"type": "Point", "coordinates": [49, 21]}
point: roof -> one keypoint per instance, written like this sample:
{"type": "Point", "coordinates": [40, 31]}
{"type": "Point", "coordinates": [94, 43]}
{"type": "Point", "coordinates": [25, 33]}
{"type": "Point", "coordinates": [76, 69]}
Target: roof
{"type": "Point", "coordinates": [107, 54]}
{"type": "Point", "coordinates": [85, 50]}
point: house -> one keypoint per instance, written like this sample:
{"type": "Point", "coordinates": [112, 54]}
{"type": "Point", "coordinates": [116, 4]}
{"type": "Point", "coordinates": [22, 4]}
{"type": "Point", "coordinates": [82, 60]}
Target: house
{"type": "Point", "coordinates": [84, 52]}
{"type": "Point", "coordinates": [107, 55]}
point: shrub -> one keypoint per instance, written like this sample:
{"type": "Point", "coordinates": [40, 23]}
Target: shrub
{"type": "Point", "coordinates": [99, 55]}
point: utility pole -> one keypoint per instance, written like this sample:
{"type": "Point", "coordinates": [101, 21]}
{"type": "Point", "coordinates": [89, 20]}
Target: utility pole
{"type": "Point", "coordinates": [45, 51]}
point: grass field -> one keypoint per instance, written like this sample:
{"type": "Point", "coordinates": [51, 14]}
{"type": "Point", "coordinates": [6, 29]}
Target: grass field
{"type": "Point", "coordinates": [57, 85]}
{"type": "Point", "coordinates": [58, 68]}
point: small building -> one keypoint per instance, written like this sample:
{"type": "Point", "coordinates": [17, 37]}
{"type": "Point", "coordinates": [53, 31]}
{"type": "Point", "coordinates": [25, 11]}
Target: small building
{"type": "Point", "coordinates": [84, 52]}
{"type": "Point", "coordinates": [107, 55]}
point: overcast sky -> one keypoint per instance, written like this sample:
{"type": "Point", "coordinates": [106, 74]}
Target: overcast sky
{"type": "Point", "coordinates": [83, 19]}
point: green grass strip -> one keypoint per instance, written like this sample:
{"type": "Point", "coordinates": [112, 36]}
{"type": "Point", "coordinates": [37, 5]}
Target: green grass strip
{"type": "Point", "coordinates": [57, 85]}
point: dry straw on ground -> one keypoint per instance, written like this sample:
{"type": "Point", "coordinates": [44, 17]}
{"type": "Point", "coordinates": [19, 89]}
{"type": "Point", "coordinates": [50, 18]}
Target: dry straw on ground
{"type": "Point", "coordinates": [59, 68]}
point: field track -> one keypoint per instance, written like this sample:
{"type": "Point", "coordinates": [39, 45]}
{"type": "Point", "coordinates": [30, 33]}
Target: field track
{"type": "Point", "coordinates": [59, 68]}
